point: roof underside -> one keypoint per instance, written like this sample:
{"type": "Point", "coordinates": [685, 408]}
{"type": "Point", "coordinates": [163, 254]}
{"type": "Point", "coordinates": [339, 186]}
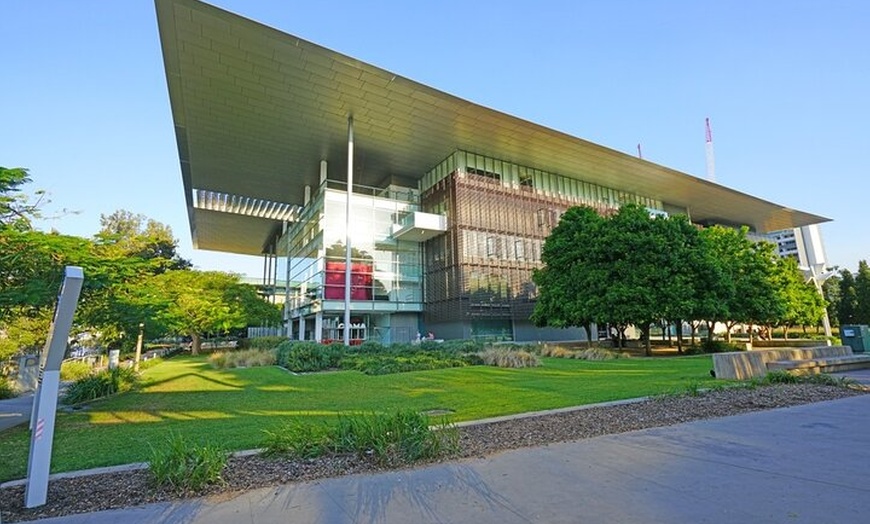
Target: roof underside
{"type": "Point", "coordinates": [256, 110]}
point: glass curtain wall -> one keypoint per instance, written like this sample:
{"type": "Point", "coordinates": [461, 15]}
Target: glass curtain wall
{"type": "Point", "coordinates": [386, 274]}
{"type": "Point", "coordinates": [533, 180]}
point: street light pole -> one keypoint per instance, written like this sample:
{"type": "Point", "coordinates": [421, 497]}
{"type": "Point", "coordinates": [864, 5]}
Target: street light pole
{"type": "Point", "coordinates": [139, 347]}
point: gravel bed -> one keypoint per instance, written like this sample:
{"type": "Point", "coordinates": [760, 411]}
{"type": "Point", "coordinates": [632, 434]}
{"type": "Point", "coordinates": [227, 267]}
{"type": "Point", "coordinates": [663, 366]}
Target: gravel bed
{"type": "Point", "coordinates": [117, 490]}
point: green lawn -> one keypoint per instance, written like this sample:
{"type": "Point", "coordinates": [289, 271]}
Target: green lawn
{"type": "Point", "coordinates": [232, 407]}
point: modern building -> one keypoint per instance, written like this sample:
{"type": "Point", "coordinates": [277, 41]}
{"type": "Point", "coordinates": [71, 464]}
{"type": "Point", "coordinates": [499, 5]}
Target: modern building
{"type": "Point", "coordinates": [449, 201]}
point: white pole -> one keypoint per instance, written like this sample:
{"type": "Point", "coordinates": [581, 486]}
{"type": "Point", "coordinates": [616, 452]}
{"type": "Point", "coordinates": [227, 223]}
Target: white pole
{"type": "Point", "coordinates": [45, 400]}
{"type": "Point", "coordinates": [347, 251]}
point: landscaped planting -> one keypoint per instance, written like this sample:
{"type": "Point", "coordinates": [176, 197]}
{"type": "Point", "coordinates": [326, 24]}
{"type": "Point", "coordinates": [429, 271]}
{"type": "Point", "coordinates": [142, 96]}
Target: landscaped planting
{"type": "Point", "coordinates": [245, 358]}
{"type": "Point", "coordinates": [101, 384]}
{"type": "Point", "coordinates": [390, 438]}
{"type": "Point", "coordinates": [185, 467]}
{"type": "Point", "coordinates": [187, 396]}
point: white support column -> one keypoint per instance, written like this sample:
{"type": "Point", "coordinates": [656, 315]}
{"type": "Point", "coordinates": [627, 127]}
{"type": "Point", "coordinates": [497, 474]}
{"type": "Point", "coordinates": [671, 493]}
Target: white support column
{"type": "Point", "coordinates": [301, 327]}
{"type": "Point", "coordinates": [323, 169]}
{"type": "Point", "coordinates": [347, 247]}
{"type": "Point", "coordinates": [318, 326]}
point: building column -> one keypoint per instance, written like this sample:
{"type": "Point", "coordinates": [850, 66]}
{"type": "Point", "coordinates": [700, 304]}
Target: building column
{"type": "Point", "coordinates": [347, 247]}
{"type": "Point", "coordinates": [318, 326]}
{"type": "Point", "coordinates": [301, 327]}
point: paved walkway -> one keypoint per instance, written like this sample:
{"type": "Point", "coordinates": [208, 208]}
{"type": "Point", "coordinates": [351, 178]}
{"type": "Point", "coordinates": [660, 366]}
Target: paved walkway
{"type": "Point", "coordinates": [15, 411]}
{"type": "Point", "coordinates": [800, 464]}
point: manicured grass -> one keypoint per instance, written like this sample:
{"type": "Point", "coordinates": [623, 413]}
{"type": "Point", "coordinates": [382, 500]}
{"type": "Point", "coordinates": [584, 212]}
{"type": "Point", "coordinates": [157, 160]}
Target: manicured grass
{"type": "Point", "coordinates": [233, 407]}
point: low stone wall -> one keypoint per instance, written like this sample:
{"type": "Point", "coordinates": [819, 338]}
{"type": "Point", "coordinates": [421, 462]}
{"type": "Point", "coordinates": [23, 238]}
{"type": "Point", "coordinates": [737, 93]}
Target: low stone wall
{"type": "Point", "coordinates": [743, 365]}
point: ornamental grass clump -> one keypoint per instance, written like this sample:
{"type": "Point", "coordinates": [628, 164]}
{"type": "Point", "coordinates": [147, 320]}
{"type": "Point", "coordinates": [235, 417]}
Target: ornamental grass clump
{"type": "Point", "coordinates": [509, 358]}
{"type": "Point", "coordinates": [599, 354]}
{"type": "Point", "coordinates": [101, 384]}
{"type": "Point", "coordinates": [392, 439]}
{"type": "Point", "coordinates": [184, 467]}
{"type": "Point", "coordinates": [245, 358]}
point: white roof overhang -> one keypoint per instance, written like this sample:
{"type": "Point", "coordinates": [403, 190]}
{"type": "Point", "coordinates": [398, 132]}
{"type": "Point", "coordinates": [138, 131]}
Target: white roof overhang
{"type": "Point", "coordinates": [256, 110]}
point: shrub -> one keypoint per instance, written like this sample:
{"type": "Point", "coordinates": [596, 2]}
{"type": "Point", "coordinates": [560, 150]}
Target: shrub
{"type": "Point", "coordinates": [101, 384]}
{"type": "Point", "coordinates": [387, 364]}
{"type": "Point", "coordinates": [184, 467]}
{"type": "Point", "coordinates": [298, 439]}
{"type": "Point", "coordinates": [75, 370]}
{"type": "Point", "coordinates": [713, 346]}
{"type": "Point", "coordinates": [245, 358]}
{"type": "Point", "coordinates": [393, 438]}
{"type": "Point", "coordinates": [508, 358]}
{"type": "Point", "coordinates": [7, 390]}
{"type": "Point", "coordinates": [303, 356]}
{"type": "Point", "coordinates": [779, 376]}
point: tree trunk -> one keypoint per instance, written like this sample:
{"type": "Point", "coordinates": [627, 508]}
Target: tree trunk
{"type": "Point", "coordinates": [711, 326]}
{"type": "Point", "coordinates": [588, 328]}
{"type": "Point", "coordinates": [679, 326]}
{"type": "Point", "coordinates": [195, 343]}
{"type": "Point", "coordinates": [785, 329]}
{"type": "Point", "coordinates": [694, 331]}
{"type": "Point", "coordinates": [647, 345]}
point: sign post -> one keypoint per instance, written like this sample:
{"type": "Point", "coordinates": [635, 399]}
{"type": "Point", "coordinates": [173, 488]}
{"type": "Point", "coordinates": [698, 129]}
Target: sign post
{"type": "Point", "coordinates": [45, 400]}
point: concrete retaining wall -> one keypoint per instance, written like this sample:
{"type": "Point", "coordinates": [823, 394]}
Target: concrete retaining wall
{"type": "Point", "coordinates": [742, 365]}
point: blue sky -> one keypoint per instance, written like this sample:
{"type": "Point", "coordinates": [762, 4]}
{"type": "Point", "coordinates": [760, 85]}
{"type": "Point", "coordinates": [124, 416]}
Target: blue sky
{"type": "Point", "coordinates": [84, 103]}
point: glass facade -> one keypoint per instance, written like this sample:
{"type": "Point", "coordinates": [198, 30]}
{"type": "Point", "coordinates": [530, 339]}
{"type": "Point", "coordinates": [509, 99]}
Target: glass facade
{"type": "Point", "coordinates": [386, 273]}
{"type": "Point", "coordinates": [479, 274]}
{"type": "Point", "coordinates": [475, 279]}
{"type": "Point", "coordinates": [545, 183]}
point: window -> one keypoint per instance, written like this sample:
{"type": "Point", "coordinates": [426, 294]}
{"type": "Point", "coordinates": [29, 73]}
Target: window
{"type": "Point", "coordinates": [482, 173]}
{"type": "Point", "coordinates": [520, 249]}
{"type": "Point", "coordinates": [492, 247]}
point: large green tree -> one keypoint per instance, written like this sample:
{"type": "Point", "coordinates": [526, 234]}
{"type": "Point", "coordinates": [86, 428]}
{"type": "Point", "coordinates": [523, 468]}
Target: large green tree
{"type": "Point", "coordinates": [15, 208]}
{"type": "Point", "coordinates": [570, 278]}
{"type": "Point", "coordinates": [135, 235]}
{"type": "Point", "coordinates": [847, 312]}
{"type": "Point", "coordinates": [862, 293]}
{"type": "Point", "coordinates": [630, 269]}
{"type": "Point", "coordinates": [801, 301]}
{"type": "Point", "coordinates": [831, 290]}
{"type": "Point", "coordinates": [196, 303]}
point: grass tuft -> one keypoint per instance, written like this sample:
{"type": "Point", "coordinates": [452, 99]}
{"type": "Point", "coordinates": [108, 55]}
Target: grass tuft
{"type": "Point", "coordinates": [508, 358]}
{"type": "Point", "coordinates": [184, 467]}
{"type": "Point", "coordinates": [401, 437]}
{"type": "Point", "coordinates": [101, 384]}
{"type": "Point", "coordinates": [245, 358]}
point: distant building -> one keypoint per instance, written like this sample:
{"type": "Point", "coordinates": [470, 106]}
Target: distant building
{"type": "Point", "coordinates": [803, 244]}
{"type": "Point", "coordinates": [450, 202]}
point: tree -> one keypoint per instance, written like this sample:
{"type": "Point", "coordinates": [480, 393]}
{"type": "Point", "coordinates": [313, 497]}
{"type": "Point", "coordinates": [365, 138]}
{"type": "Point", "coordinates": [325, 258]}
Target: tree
{"type": "Point", "coordinates": [801, 300]}
{"type": "Point", "coordinates": [196, 303]}
{"type": "Point", "coordinates": [862, 293]}
{"type": "Point", "coordinates": [567, 280]}
{"type": "Point", "coordinates": [136, 235]}
{"type": "Point", "coordinates": [848, 308]}
{"type": "Point", "coordinates": [630, 269]}
{"type": "Point", "coordinates": [15, 209]}
{"type": "Point", "coordinates": [831, 289]}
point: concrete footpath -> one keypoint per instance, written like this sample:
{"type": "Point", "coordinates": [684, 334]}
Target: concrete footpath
{"type": "Point", "coordinates": [800, 464]}
{"type": "Point", "coordinates": [15, 411]}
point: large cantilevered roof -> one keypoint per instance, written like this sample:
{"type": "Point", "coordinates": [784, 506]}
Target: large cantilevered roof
{"type": "Point", "coordinates": [256, 110]}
